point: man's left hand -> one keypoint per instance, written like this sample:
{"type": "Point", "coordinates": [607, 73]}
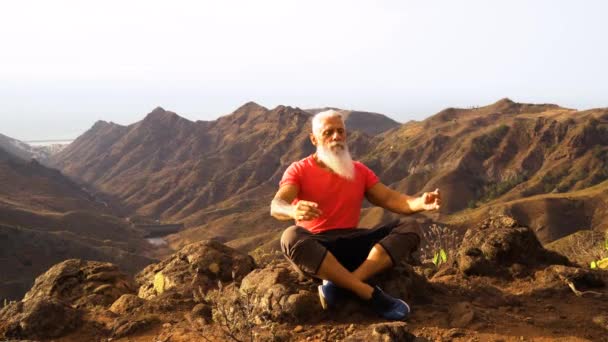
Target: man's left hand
{"type": "Point", "coordinates": [430, 200]}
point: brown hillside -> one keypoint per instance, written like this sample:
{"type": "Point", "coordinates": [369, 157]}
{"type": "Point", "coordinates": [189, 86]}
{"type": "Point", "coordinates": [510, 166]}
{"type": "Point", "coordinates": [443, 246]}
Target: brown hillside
{"type": "Point", "coordinates": [46, 217]}
{"type": "Point", "coordinates": [367, 122]}
{"type": "Point", "coordinates": [219, 176]}
{"type": "Point", "coordinates": [27, 253]}
{"type": "Point", "coordinates": [205, 174]}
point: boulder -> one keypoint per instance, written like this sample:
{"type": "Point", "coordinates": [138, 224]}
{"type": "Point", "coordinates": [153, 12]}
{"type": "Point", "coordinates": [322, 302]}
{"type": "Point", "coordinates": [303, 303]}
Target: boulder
{"type": "Point", "coordinates": [38, 318]}
{"type": "Point", "coordinates": [196, 267]}
{"type": "Point", "coordinates": [500, 246]}
{"type": "Point", "coordinates": [558, 278]}
{"type": "Point", "coordinates": [278, 293]}
{"type": "Point", "coordinates": [82, 283]}
{"type": "Point", "coordinates": [126, 304]}
{"type": "Point", "coordinates": [461, 315]}
{"type": "Point", "coordinates": [130, 325]}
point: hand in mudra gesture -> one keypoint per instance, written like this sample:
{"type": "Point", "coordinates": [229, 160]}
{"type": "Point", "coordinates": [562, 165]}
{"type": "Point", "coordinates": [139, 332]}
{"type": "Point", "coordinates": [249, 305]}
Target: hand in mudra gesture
{"type": "Point", "coordinates": [430, 200]}
{"type": "Point", "coordinates": [306, 211]}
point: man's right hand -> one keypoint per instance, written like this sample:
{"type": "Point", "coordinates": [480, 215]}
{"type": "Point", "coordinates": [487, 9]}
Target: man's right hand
{"type": "Point", "coordinates": [306, 211]}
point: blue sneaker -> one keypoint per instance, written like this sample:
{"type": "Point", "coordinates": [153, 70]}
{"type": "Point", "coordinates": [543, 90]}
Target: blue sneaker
{"type": "Point", "coordinates": [329, 294]}
{"type": "Point", "coordinates": [389, 307]}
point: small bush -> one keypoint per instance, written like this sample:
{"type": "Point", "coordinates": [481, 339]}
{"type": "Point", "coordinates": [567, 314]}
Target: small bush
{"type": "Point", "coordinates": [440, 244]}
{"type": "Point", "coordinates": [602, 263]}
{"type": "Point", "coordinates": [588, 249]}
{"type": "Point", "coordinates": [484, 145]}
{"type": "Point", "coordinates": [495, 190]}
{"type": "Point", "coordinates": [232, 311]}
{"type": "Point", "coordinates": [554, 177]}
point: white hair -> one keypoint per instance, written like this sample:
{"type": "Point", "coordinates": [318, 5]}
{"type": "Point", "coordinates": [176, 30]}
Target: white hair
{"type": "Point", "coordinates": [317, 120]}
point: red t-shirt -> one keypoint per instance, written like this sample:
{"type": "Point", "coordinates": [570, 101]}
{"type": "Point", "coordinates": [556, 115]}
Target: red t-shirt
{"type": "Point", "coordinates": [339, 199]}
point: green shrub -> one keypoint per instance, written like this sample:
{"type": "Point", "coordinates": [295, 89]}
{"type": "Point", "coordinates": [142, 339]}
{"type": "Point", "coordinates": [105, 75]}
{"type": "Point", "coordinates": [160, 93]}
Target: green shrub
{"type": "Point", "coordinates": [495, 190]}
{"type": "Point", "coordinates": [484, 145]}
{"type": "Point", "coordinates": [554, 177]}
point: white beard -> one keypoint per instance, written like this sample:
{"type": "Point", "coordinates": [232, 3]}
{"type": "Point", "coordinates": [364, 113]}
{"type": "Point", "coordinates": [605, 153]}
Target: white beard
{"type": "Point", "coordinates": [338, 159]}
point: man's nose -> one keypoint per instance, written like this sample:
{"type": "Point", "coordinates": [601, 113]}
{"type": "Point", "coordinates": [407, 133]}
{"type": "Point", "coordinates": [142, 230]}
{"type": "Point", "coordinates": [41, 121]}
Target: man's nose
{"type": "Point", "coordinates": [337, 136]}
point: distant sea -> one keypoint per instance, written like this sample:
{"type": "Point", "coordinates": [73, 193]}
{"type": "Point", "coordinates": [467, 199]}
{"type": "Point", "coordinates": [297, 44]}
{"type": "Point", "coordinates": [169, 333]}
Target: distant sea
{"type": "Point", "coordinates": [48, 142]}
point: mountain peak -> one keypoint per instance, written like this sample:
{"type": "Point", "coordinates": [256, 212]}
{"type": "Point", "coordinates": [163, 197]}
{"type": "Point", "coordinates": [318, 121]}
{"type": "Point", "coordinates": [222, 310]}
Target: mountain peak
{"type": "Point", "coordinates": [159, 114]}
{"type": "Point", "coordinates": [504, 101]}
{"type": "Point", "coordinates": [250, 106]}
{"type": "Point", "coordinates": [100, 123]}
{"type": "Point", "coordinates": [504, 104]}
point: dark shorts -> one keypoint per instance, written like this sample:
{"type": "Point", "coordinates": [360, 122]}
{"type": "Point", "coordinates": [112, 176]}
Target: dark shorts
{"type": "Point", "coordinates": [350, 246]}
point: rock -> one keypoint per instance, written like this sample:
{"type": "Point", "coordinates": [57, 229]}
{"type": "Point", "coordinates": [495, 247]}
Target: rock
{"type": "Point", "coordinates": [499, 246]}
{"type": "Point", "coordinates": [126, 304]}
{"type": "Point", "coordinates": [383, 332]}
{"type": "Point", "coordinates": [38, 318]}
{"type": "Point", "coordinates": [278, 294]}
{"type": "Point", "coordinates": [53, 306]}
{"type": "Point", "coordinates": [601, 321]}
{"type": "Point", "coordinates": [200, 316]}
{"type": "Point", "coordinates": [202, 311]}
{"type": "Point", "coordinates": [454, 333]}
{"type": "Point", "coordinates": [461, 315]}
{"type": "Point", "coordinates": [302, 305]}
{"type": "Point", "coordinates": [127, 326]}
{"type": "Point", "coordinates": [275, 292]}
{"type": "Point", "coordinates": [81, 283]}
{"type": "Point", "coordinates": [403, 282]}
{"type": "Point", "coordinates": [298, 329]}
{"type": "Point", "coordinates": [557, 278]}
{"type": "Point", "coordinates": [196, 267]}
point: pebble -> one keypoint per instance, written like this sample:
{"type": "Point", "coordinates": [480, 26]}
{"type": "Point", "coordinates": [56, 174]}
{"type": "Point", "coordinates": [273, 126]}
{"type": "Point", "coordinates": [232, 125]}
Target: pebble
{"type": "Point", "coordinates": [298, 329]}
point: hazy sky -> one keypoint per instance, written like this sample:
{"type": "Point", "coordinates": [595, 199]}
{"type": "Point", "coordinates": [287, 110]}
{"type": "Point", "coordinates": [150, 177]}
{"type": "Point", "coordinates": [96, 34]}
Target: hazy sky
{"type": "Point", "coordinates": [66, 64]}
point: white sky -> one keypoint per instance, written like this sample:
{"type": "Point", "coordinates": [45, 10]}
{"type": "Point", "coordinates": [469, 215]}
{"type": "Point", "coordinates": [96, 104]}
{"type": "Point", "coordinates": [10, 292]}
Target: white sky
{"type": "Point", "coordinates": [66, 64]}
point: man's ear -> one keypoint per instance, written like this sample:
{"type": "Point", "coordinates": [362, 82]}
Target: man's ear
{"type": "Point", "coordinates": [313, 139]}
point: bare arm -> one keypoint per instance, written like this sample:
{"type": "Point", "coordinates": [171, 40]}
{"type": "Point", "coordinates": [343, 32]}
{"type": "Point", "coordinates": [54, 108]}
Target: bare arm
{"type": "Point", "coordinates": [282, 209]}
{"type": "Point", "coordinates": [389, 199]}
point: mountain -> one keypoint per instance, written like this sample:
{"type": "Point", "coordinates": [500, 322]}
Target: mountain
{"type": "Point", "coordinates": [45, 217]}
{"type": "Point", "coordinates": [219, 176]}
{"type": "Point", "coordinates": [168, 167]}
{"type": "Point", "coordinates": [494, 155]}
{"type": "Point", "coordinates": [25, 151]}
{"type": "Point", "coordinates": [367, 122]}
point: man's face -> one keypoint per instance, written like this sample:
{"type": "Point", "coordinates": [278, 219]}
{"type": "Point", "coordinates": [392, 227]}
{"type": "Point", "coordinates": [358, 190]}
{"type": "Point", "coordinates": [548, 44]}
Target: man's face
{"type": "Point", "coordinates": [332, 134]}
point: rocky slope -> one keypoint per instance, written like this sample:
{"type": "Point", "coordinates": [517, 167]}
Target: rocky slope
{"type": "Point", "coordinates": [45, 218]}
{"type": "Point", "coordinates": [500, 285]}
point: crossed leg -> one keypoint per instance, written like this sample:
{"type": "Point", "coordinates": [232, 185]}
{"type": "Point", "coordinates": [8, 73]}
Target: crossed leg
{"type": "Point", "coordinates": [377, 261]}
{"type": "Point", "coordinates": [348, 258]}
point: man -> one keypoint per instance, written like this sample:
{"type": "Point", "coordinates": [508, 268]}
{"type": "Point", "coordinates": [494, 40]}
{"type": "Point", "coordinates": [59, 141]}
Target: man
{"type": "Point", "coordinates": [323, 193]}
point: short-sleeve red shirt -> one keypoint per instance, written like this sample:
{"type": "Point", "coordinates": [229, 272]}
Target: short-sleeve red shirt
{"type": "Point", "coordinates": [339, 199]}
